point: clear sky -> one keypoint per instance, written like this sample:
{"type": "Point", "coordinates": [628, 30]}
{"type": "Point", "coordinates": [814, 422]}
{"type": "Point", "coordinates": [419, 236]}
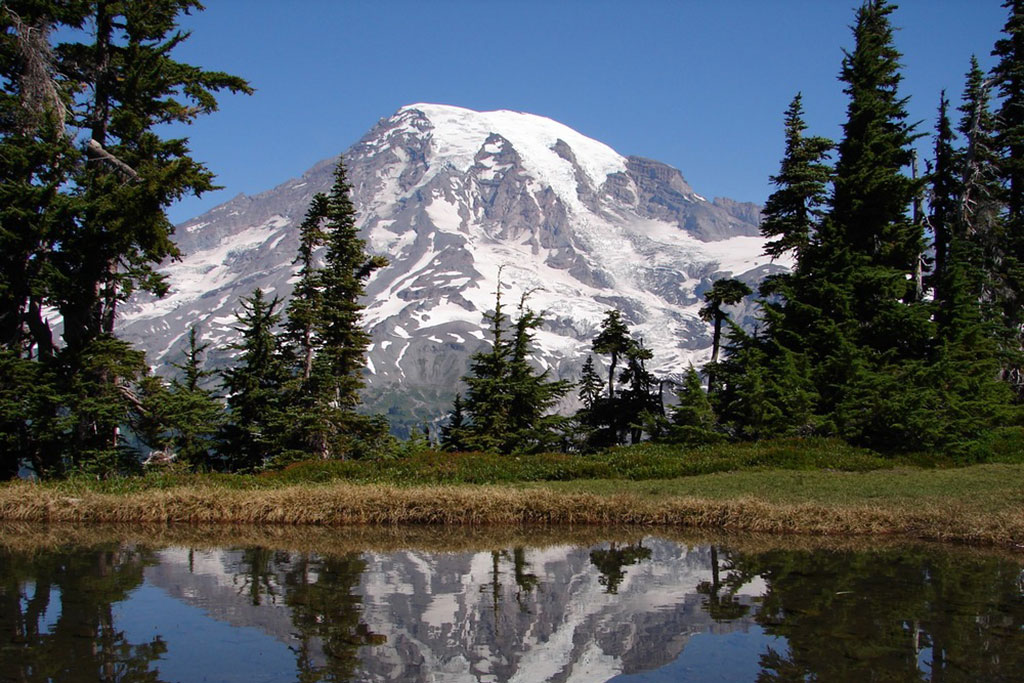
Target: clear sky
{"type": "Point", "coordinates": [698, 84]}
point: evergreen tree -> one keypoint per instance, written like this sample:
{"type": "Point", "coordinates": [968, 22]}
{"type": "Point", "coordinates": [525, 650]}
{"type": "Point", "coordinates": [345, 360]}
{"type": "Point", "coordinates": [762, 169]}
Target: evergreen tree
{"type": "Point", "coordinates": [871, 329]}
{"type": "Point", "coordinates": [532, 425]}
{"type": "Point", "coordinates": [640, 405]}
{"type": "Point", "coordinates": [487, 395]}
{"type": "Point", "coordinates": [307, 296]}
{"type": "Point", "coordinates": [454, 431]}
{"type": "Point", "coordinates": [724, 292]}
{"type": "Point", "coordinates": [197, 414]}
{"type": "Point", "coordinates": [590, 385]}
{"type": "Point", "coordinates": [1009, 270]}
{"type": "Point", "coordinates": [945, 193]}
{"type": "Point", "coordinates": [85, 177]}
{"type": "Point", "coordinates": [509, 403]}
{"type": "Point", "coordinates": [614, 340]}
{"type": "Point", "coordinates": [693, 420]}
{"type": "Point", "coordinates": [792, 212]}
{"type": "Point", "coordinates": [346, 268]}
{"type": "Point", "coordinates": [324, 329]}
{"type": "Point", "coordinates": [254, 387]}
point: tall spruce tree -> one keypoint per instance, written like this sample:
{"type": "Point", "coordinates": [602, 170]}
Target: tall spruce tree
{"type": "Point", "coordinates": [1009, 266]}
{"type": "Point", "coordinates": [453, 432]}
{"type": "Point", "coordinates": [871, 249]}
{"type": "Point", "coordinates": [508, 402]}
{"type": "Point", "coordinates": [254, 432]}
{"type": "Point", "coordinates": [532, 425]}
{"type": "Point", "coordinates": [613, 340]}
{"type": "Point", "coordinates": [791, 213]}
{"type": "Point", "coordinates": [324, 328]}
{"type": "Point", "coordinates": [487, 391]}
{"type": "Point", "coordinates": [86, 176]}
{"type": "Point", "coordinates": [724, 292]}
{"type": "Point", "coordinates": [196, 414]}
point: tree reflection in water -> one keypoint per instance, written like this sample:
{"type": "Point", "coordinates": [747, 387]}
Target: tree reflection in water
{"type": "Point", "coordinates": [612, 562]}
{"type": "Point", "coordinates": [888, 615]}
{"type": "Point", "coordinates": [56, 618]}
{"type": "Point", "coordinates": [903, 614]}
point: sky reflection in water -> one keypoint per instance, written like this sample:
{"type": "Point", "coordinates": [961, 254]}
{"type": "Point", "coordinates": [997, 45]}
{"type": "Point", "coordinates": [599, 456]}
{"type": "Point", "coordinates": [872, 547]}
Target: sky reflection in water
{"type": "Point", "coordinates": [640, 608]}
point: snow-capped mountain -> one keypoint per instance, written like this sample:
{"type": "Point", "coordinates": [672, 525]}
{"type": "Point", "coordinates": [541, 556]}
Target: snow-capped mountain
{"type": "Point", "coordinates": [451, 196]}
{"type": "Point", "coordinates": [546, 614]}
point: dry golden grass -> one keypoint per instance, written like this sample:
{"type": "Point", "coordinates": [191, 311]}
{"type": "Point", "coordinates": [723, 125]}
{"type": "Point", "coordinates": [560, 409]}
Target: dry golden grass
{"type": "Point", "coordinates": [342, 504]}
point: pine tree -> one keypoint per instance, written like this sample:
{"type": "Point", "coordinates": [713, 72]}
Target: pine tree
{"type": "Point", "coordinates": [454, 431]}
{"type": "Point", "coordinates": [508, 403]}
{"type": "Point", "coordinates": [614, 340]}
{"type": "Point", "coordinates": [487, 395]}
{"type": "Point", "coordinates": [724, 292]}
{"type": "Point", "coordinates": [253, 433]}
{"type": "Point", "coordinates": [302, 315]}
{"type": "Point", "coordinates": [590, 385]}
{"type": "Point", "coordinates": [1009, 271]}
{"type": "Point", "coordinates": [792, 212]}
{"type": "Point", "coordinates": [346, 268]}
{"type": "Point", "coordinates": [85, 177]}
{"type": "Point", "coordinates": [532, 425]}
{"type": "Point", "coordinates": [197, 415]}
{"type": "Point", "coordinates": [693, 419]}
{"type": "Point", "coordinates": [324, 329]}
{"type": "Point", "coordinates": [875, 331]}
{"type": "Point", "coordinates": [945, 193]}
{"type": "Point", "coordinates": [640, 404]}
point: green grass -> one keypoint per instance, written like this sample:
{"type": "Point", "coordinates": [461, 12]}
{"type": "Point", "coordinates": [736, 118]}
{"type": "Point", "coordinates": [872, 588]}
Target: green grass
{"type": "Point", "coordinates": [980, 488]}
{"type": "Point", "coordinates": [782, 467]}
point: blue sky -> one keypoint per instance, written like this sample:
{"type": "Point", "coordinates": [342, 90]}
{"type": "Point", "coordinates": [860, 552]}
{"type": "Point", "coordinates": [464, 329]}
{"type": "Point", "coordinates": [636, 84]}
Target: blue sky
{"type": "Point", "coordinates": [698, 84]}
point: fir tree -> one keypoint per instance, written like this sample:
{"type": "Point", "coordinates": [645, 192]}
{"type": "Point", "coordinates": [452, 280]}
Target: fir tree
{"type": "Point", "coordinates": [508, 402]}
{"type": "Point", "coordinates": [454, 431]}
{"type": "Point", "coordinates": [724, 292]}
{"type": "Point", "coordinates": [254, 387]}
{"type": "Point", "coordinates": [871, 328]}
{"type": "Point", "coordinates": [324, 329]}
{"type": "Point", "coordinates": [614, 340]}
{"type": "Point", "coordinates": [532, 425]}
{"type": "Point", "coordinates": [693, 419]}
{"type": "Point", "coordinates": [1009, 271]}
{"type": "Point", "coordinates": [590, 385]}
{"type": "Point", "coordinates": [197, 414]}
{"type": "Point", "coordinates": [307, 295]}
{"type": "Point", "coordinates": [85, 177]}
{"type": "Point", "coordinates": [945, 193]}
{"type": "Point", "coordinates": [640, 405]}
{"type": "Point", "coordinates": [791, 213]}
{"type": "Point", "coordinates": [487, 395]}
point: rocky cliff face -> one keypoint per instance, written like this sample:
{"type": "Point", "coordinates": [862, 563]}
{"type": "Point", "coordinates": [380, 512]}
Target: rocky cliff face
{"type": "Point", "coordinates": [451, 196]}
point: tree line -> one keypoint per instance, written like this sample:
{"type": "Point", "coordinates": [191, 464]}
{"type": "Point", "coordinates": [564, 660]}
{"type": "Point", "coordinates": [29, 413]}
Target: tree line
{"type": "Point", "coordinates": [899, 327]}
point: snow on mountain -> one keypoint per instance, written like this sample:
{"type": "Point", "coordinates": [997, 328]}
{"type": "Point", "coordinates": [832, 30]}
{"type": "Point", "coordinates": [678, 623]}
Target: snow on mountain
{"type": "Point", "coordinates": [546, 614]}
{"type": "Point", "coordinates": [451, 196]}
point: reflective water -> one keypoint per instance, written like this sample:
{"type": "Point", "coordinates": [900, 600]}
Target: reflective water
{"type": "Point", "coordinates": [632, 607]}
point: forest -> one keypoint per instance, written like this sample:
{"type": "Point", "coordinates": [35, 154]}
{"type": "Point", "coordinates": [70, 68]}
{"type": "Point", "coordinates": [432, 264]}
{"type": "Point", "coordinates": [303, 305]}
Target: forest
{"type": "Point", "coordinates": [900, 328]}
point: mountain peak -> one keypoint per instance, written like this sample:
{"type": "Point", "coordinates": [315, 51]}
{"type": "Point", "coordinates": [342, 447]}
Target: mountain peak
{"type": "Point", "coordinates": [450, 196]}
{"type": "Point", "coordinates": [458, 134]}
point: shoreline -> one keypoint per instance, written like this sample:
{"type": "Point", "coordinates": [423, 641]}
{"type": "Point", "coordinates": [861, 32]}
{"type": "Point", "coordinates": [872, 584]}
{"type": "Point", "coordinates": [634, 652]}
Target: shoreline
{"type": "Point", "coordinates": [341, 504]}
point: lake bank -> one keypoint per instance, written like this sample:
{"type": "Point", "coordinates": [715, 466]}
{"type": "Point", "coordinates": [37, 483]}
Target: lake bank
{"type": "Point", "coordinates": [982, 504]}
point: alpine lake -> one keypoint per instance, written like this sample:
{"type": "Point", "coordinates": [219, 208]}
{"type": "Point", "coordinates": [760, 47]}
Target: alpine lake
{"type": "Point", "coordinates": [525, 604]}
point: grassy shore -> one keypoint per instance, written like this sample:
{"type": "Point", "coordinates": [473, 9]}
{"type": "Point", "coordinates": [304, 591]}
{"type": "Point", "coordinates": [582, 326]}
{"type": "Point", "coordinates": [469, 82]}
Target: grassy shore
{"type": "Point", "coordinates": [981, 504]}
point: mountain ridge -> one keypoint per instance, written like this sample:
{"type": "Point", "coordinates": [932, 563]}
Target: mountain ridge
{"type": "Point", "coordinates": [449, 195]}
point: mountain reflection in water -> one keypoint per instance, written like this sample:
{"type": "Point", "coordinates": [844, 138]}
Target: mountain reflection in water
{"type": "Point", "coordinates": [636, 608]}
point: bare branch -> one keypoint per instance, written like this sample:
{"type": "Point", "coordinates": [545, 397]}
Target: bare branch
{"type": "Point", "coordinates": [97, 153]}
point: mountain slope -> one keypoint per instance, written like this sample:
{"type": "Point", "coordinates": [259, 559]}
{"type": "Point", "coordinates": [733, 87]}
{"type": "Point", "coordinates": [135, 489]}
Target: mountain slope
{"type": "Point", "coordinates": [451, 196]}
